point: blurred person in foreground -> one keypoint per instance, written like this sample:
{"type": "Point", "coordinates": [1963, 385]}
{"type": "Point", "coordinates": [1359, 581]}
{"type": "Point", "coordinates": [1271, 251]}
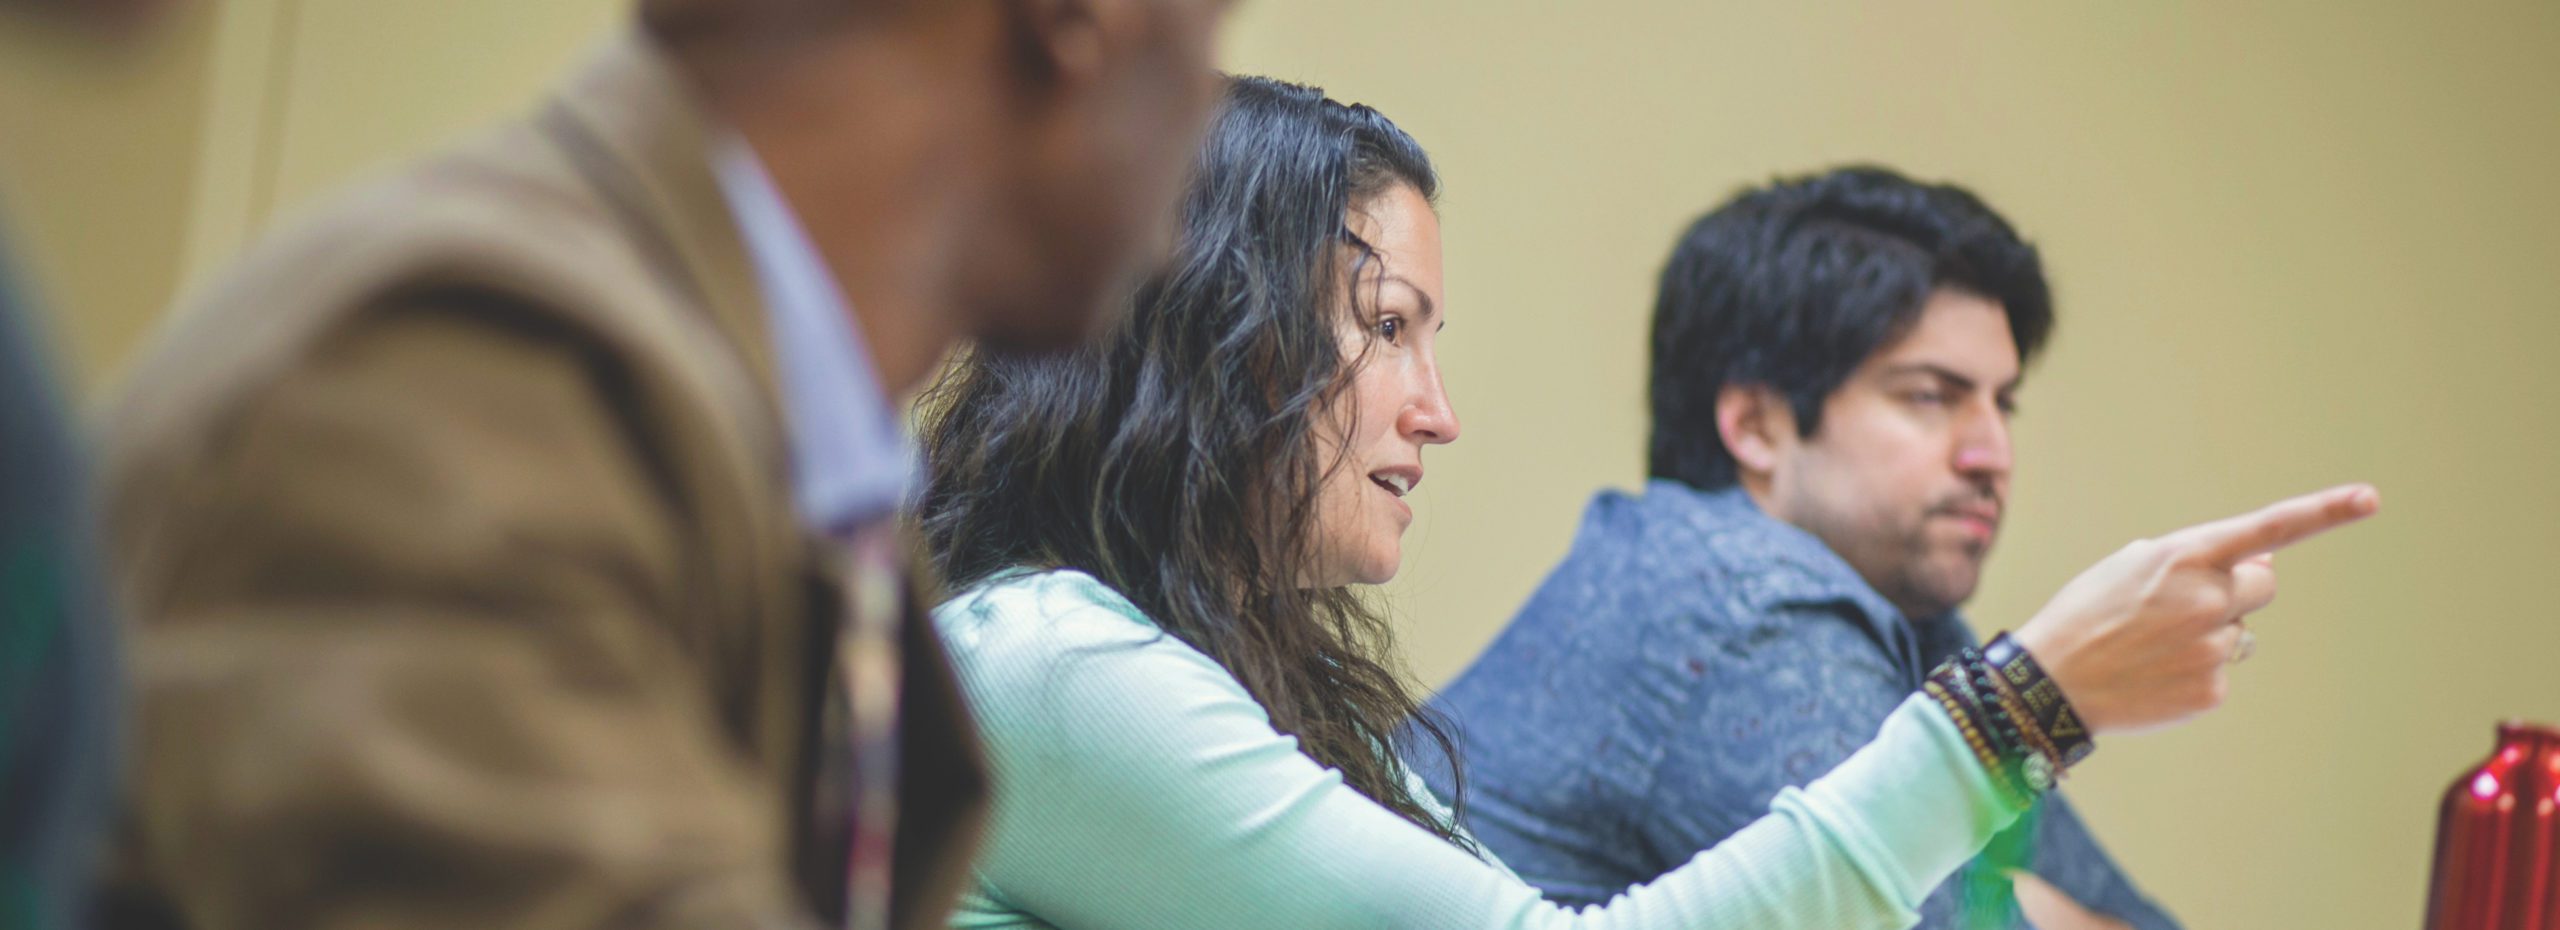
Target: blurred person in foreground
{"type": "Point", "coordinates": [512, 543]}
{"type": "Point", "coordinates": [1836, 359]}
{"type": "Point", "coordinates": [58, 667]}
{"type": "Point", "coordinates": [58, 671]}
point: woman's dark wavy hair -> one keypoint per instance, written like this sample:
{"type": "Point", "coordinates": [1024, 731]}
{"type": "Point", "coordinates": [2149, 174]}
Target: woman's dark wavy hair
{"type": "Point", "coordinates": [1175, 460]}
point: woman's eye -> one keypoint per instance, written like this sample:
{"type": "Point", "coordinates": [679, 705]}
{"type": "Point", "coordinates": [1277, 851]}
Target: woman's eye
{"type": "Point", "coordinates": [1391, 329]}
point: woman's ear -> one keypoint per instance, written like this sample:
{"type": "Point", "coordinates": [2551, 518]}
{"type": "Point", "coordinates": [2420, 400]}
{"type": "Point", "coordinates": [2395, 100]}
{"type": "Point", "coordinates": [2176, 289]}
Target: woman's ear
{"type": "Point", "coordinates": [1757, 426]}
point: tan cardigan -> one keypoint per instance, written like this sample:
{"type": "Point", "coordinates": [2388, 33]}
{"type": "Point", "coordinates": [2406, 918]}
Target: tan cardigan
{"type": "Point", "coordinates": [467, 589]}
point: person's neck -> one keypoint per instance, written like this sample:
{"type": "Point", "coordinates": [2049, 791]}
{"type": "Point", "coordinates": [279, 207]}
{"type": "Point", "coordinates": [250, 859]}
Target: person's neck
{"type": "Point", "coordinates": [1763, 494]}
{"type": "Point", "coordinates": [868, 143]}
{"type": "Point", "coordinates": [1761, 491]}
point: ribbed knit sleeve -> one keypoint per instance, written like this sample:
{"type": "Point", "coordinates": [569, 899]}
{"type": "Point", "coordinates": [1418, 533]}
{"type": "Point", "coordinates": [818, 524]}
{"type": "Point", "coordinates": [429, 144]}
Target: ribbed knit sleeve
{"type": "Point", "coordinates": [1138, 786]}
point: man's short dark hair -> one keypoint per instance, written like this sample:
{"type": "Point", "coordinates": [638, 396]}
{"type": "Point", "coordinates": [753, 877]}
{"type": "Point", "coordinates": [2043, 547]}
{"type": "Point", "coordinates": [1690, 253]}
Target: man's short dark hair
{"type": "Point", "coordinates": [1791, 286]}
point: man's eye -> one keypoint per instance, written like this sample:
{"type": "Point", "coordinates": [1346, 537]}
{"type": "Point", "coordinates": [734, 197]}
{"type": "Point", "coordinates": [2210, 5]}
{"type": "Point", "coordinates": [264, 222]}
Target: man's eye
{"type": "Point", "coordinates": [1391, 329]}
{"type": "Point", "coordinates": [1925, 398]}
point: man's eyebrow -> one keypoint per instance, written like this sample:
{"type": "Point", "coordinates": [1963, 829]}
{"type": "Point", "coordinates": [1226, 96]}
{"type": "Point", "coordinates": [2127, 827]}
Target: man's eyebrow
{"type": "Point", "coordinates": [1949, 375]}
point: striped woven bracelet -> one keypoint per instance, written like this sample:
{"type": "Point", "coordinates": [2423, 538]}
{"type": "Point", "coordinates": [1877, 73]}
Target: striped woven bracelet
{"type": "Point", "coordinates": [2047, 712]}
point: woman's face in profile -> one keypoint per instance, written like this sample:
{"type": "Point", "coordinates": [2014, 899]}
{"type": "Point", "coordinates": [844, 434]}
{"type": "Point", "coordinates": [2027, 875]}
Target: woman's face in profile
{"type": "Point", "coordinates": [1394, 405]}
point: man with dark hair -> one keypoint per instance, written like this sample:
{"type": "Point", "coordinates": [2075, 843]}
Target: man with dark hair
{"type": "Point", "coordinates": [514, 543]}
{"type": "Point", "coordinates": [1835, 361]}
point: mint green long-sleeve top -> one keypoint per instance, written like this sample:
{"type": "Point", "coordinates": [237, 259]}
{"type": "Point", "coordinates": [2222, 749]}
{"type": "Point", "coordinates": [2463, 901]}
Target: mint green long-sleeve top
{"type": "Point", "coordinates": [1139, 786]}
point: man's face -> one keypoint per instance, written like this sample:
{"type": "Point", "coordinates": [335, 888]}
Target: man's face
{"type": "Point", "coordinates": [1098, 167]}
{"type": "Point", "coordinates": [1907, 476]}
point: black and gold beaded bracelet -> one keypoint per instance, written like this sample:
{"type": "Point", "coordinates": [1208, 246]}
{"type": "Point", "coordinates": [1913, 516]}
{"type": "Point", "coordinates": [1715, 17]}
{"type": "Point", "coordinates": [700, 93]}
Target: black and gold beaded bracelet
{"type": "Point", "coordinates": [2029, 764]}
{"type": "Point", "coordinates": [2013, 717]}
{"type": "Point", "coordinates": [1948, 687]}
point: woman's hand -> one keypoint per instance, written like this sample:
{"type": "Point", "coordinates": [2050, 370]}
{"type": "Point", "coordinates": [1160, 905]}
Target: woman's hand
{"type": "Point", "coordinates": [2145, 637]}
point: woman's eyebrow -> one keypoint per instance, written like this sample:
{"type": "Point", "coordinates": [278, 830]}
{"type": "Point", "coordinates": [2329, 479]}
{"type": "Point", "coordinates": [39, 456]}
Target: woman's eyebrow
{"type": "Point", "coordinates": [1429, 309]}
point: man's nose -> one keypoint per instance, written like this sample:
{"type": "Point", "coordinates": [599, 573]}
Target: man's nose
{"type": "Point", "coordinates": [1983, 447]}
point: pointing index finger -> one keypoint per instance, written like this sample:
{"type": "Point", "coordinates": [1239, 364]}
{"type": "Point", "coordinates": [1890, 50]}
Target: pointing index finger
{"type": "Point", "coordinates": [2231, 540]}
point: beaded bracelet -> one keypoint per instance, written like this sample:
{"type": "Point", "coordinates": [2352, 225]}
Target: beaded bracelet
{"type": "Point", "coordinates": [1947, 686]}
{"type": "Point", "coordinates": [2032, 765]}
{"type": "Point", "coordinates": [2012, 715]}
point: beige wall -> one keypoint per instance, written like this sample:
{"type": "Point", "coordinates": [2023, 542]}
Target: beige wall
{"type": "Point", "coordinates": [370, 78]}
{"type": "Point", "coordinates": [2294, 243]}
{"type": "Point", "coordinates": [127, 172]}
{"type": "Point", "coordinates": [97, 154]}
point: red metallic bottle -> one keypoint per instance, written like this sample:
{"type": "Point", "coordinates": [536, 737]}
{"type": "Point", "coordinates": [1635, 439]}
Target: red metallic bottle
{"type": "Point", "coordinates": [2498, 839]}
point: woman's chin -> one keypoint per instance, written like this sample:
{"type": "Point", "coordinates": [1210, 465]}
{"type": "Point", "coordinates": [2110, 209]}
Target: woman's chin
{"type": "Point", "coordinates": [1381, 571]}
{"type": "Point", "coordinates": [1360, 575]}
{"type": "Point", "coordinates": [1344, 568]}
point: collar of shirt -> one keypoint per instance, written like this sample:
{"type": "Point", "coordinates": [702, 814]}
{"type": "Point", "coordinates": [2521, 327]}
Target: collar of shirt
{"type": "Point", "coordinates": [852, 461]}
{"type": "Point", "coordinates": [1820, 574]}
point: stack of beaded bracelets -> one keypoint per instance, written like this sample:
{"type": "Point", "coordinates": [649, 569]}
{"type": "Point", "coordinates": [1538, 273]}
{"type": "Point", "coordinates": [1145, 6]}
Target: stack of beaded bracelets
{"type": "Point", "coordinates": [2013, 716]}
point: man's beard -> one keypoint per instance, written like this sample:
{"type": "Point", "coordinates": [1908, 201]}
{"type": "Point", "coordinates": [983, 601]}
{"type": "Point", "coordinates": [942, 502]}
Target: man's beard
{"type": "Point", "coordinates": [1938, 576]}
{"type": "Point", "coordinates": [1935, 583]}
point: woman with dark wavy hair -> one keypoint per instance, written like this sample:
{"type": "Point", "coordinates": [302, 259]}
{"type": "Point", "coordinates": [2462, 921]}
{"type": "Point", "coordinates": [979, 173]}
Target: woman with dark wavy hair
{"type": "Point", "coordinates": [1192, 719]}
